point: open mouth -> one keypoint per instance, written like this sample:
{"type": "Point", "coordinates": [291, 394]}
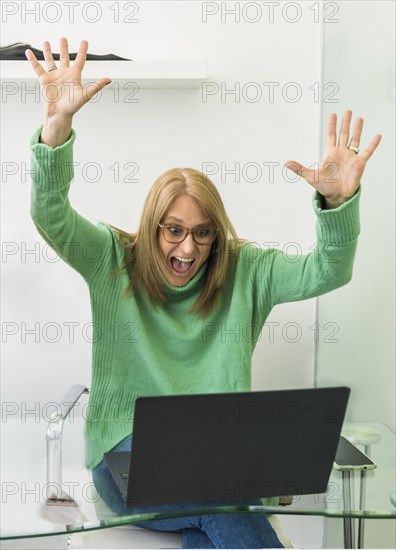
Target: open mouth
{"type": "Point", "coordinates": [181, 265]}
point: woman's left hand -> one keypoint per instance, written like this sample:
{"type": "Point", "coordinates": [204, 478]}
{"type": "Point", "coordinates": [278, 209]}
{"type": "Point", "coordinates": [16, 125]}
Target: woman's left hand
{"type": "Point", "coordinates": [338, 176]}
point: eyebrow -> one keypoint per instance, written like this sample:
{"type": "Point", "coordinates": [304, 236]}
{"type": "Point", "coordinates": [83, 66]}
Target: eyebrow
{"type": "Point", "coordinates": [178, 220]}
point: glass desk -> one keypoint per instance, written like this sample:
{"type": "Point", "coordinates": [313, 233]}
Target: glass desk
{"type": "Point", "coordinates": [25, 514]}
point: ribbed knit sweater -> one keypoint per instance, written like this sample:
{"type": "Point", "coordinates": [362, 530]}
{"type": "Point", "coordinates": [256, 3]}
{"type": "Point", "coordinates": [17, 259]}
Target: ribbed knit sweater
{"type": "Point", "coordinates": [139, 350]}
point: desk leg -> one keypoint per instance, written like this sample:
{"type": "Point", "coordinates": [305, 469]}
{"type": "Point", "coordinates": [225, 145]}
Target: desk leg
{"type": "Point", "coordinates": [349, 534]}
{"type": "Point", "coordinates": [361, 507]}
{"type": "Point", "coordinates": [362, 500]}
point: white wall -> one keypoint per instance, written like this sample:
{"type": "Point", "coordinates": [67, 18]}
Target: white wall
{"type": "Point", "coordinates": [362, 63]}
{"type": "Point", "coordinates": [166, 128]}
{"type": "Point", "coordinates": [359, 56]}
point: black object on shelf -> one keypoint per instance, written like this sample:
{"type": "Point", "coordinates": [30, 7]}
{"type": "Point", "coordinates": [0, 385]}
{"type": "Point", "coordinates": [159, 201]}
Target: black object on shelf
{"type": "Point", "coordinates": [16, 52]}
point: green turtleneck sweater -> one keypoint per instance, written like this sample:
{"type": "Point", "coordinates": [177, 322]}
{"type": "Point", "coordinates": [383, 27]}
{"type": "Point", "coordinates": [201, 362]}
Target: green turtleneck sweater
{"type": "Point", "coordinates": [139, 350]}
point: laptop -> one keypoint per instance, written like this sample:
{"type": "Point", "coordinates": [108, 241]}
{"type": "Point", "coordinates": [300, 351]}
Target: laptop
{"type": "Point", "coordinates": [230, 447]}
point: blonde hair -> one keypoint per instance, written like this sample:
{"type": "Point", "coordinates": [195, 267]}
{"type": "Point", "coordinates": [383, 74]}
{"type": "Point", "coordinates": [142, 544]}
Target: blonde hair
{"type": "Point", "coordinates": [143, 259]}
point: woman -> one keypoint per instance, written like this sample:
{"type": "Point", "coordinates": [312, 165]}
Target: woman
{"type": "Point", "coordinates": [162, 297]}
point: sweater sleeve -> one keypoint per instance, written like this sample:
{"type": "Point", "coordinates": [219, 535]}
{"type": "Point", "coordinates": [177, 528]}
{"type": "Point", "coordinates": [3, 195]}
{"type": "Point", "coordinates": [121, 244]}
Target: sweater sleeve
{"type": "Point", "coordinates": [77, 241]}
{"type": "Point", "coordinates": [328, 266]}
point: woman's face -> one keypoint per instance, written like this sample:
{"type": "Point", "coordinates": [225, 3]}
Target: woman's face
{"type": "Point", "coordinates": [184, 259]}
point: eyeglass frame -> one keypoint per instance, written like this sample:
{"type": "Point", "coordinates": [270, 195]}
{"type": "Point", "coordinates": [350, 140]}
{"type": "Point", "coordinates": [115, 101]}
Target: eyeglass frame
{"type": "Point", "coordinates": [188, 232]}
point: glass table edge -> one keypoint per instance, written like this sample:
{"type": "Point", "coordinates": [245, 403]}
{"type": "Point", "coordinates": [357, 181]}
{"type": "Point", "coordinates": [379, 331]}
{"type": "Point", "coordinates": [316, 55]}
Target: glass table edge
{"type": "Point", "coordinates": [120, 521]}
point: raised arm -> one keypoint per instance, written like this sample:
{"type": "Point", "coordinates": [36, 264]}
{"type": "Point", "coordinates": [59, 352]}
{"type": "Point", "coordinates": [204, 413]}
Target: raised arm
{"type": "Point", "coordinates": [79, 242]}
{"type": "Point", "coordinates": [336, 203]}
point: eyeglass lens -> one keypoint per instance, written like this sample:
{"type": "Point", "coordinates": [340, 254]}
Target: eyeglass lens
{"type": "Point", "coordinates": [176, 234]}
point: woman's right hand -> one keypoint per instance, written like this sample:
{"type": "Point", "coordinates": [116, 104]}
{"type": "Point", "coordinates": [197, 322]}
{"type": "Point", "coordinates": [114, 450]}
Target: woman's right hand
{"type": "Point", "coordinates": [62, 90]}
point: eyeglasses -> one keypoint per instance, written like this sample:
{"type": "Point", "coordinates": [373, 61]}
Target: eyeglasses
{"type": "Point", "coordinates": [176, 234]}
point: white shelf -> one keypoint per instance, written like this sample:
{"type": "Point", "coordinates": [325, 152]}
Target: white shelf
{"type": "Point", "coordinates": [146, 74]}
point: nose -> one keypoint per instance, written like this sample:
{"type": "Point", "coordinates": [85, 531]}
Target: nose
{"type": "Point", "coordinates": [188, 245]}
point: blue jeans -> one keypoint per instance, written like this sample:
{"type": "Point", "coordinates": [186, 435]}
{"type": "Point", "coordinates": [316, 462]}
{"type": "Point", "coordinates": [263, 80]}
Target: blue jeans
{"type": "Point", "coordinates": [238, 530]}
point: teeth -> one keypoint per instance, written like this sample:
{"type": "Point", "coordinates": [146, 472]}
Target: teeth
{"type": "Point", "coordinates": [186, 260]}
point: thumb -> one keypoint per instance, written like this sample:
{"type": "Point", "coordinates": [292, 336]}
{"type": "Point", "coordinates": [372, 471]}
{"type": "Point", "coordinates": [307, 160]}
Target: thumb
{"type": "Point", "coordinates": [299, 169]}
{"type": "Point", "coordinates": [91, 90]}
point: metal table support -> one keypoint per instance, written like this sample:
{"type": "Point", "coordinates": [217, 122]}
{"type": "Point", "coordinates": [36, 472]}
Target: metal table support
{"type": "Point", "coordinates": [349, 523]}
